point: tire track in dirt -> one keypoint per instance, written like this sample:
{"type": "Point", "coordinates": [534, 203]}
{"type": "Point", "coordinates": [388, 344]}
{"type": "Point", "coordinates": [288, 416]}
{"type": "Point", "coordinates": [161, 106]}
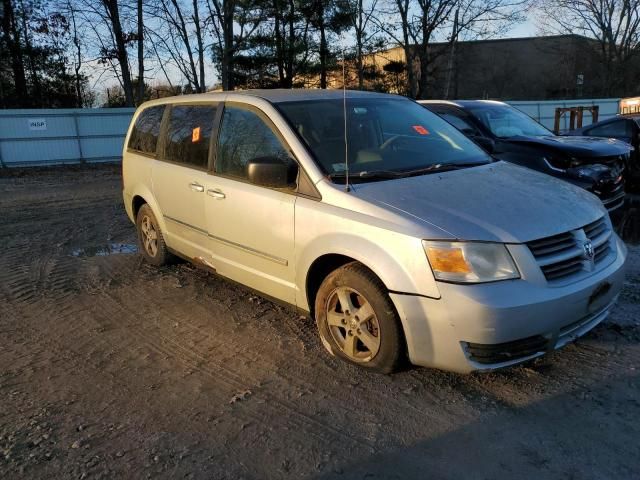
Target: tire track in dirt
{"type": "Point", "coordinates": [64, 282]}
{"type": "Point", "coordinates": [197, 361]}
{"type": "Point", "coordinates": [289, 378]}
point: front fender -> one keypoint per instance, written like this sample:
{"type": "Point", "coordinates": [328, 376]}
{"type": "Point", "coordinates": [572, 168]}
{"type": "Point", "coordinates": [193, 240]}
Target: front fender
{"type": "Point", "coordinates": [398, 260]}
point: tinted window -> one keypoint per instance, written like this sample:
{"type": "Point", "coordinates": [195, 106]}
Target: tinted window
{"type": "Point", "coordinates": [505, 121]}
{"type": "Point", "coordinates": [243, 137]}
{"type": "Point", "coordinates": [383, 133]}
{"type": "Point", "coordinates": [189, 134]}
{"type": "Point", "coordinates": [613, 129]}
{"type": "Point", "coordinates": [144, 135]}
{"type": "Point", "coordinates": [460, 123]}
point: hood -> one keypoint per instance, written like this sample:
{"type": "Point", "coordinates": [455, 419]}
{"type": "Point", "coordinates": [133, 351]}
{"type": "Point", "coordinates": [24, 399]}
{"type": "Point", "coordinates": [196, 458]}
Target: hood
{"type": "Point", "coordinates": [580, 147]}
{"type": "Point", "coordinates": [498, 202]}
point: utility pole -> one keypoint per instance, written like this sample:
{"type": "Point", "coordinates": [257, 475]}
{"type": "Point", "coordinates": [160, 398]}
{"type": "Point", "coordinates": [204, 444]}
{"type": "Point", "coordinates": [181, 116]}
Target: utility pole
{"type": "Point", "coordinates": [454, 40]}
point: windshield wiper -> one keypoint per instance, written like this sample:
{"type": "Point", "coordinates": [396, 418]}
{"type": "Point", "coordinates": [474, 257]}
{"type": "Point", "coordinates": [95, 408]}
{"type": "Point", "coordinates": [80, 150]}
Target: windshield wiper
{"type": "Point", "coordinates": [438, 167]}
{"type": "Point", "coordinates": [389, 174]}
{"type": "Point", "coordinates": [373, 174]}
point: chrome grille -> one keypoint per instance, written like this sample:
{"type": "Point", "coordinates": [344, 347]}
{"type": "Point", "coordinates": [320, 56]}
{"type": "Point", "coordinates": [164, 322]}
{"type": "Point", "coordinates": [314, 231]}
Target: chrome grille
{"type": "Point", "coordinates": [565, 255]}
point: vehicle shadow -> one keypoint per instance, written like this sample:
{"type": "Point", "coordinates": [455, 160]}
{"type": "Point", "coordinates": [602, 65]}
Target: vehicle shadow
{"type": "Point", "coordinates": [587, 433]}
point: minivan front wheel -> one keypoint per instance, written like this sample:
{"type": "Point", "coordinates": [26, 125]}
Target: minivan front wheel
{"type": "Point", "coordinates": [150, 237]}
{"type": "Point", "coordinates": [357, 320]}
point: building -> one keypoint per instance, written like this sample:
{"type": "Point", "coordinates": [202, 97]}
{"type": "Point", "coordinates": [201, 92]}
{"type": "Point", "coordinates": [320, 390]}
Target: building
{"type": "Point", "coordinates": [532, 68]}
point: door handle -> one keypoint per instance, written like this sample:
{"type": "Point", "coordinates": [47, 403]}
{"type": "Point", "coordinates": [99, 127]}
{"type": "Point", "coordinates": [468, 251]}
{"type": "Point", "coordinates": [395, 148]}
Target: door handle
{"type": "Point", "coordinates": [196, 187]}
{"type": "Point", "coordinates": [216, 193]}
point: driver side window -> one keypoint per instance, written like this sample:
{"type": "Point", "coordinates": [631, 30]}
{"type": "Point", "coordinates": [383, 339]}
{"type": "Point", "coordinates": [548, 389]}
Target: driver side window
{"type": "Point", "coordinates": [243, 137]}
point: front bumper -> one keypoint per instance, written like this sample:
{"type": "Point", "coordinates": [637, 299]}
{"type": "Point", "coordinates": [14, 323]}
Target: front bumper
{"type": "Point", "coordinates": [516, 320]}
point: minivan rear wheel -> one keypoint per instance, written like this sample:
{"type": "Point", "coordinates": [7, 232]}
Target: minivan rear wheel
{"type": "Point", "coordinates": [357, 320]}
{"type": "Point", "coordinates": [150, 238]}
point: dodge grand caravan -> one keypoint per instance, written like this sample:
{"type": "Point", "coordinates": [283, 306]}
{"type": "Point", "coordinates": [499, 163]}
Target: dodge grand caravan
{"type": "Point", "coordinates": [399, 235]}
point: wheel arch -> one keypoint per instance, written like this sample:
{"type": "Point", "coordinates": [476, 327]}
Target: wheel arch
{"type": "Point", "coordinates": [319, 270]}
{"type": "Point", "coordinates": [142, 195]}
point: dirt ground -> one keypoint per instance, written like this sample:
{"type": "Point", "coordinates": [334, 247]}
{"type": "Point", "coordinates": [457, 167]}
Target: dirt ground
{"type": "Point", "coordinates": [111, 368]}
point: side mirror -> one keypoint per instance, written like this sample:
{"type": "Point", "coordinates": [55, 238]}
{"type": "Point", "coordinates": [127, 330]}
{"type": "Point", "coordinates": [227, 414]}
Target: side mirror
{"type": "Point", "coordinates": [486, 143]}
{"type": "Point", "coordinates": [272, 172]}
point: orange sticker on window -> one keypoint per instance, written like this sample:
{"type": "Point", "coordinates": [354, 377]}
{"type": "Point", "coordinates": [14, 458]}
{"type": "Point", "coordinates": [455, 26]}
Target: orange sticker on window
{"type": "Point", "coordinates": [195, 135]}
{"type": "Point", "coordinates": [421, 130]}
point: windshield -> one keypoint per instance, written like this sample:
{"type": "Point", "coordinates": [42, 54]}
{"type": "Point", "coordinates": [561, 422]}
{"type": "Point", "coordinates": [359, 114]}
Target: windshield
{"type": "Point", "coordinates": [390, 135]}
{"type": "Point", "coordinates": [505, 121]}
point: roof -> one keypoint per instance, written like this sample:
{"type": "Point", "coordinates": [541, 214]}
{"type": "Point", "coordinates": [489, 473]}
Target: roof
{"type": "Point", "coordinates": [278, 95]}
{"type": "Point", "coordinates": [461, 103]}
{"type": "Point", "coordinates": [542, 38]}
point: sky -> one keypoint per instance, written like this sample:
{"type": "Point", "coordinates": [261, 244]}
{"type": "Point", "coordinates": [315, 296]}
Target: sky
{"type": "Point", "coordinates": [526, 29]}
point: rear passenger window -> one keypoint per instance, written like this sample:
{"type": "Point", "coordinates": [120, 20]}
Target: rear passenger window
{"type": "Point", "coordinates": [460, 123]}
{"type": "Point", "coordinates": [189, 134]}
{"type": "Point", "coordinates": [243, 137]}
{"type": "Point", "coordinates": [144, 135]}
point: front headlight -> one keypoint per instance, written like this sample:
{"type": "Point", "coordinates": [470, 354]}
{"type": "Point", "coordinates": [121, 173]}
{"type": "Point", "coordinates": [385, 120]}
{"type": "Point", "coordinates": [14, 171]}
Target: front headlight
{"type": "Point", "coordinates": [470, 262]}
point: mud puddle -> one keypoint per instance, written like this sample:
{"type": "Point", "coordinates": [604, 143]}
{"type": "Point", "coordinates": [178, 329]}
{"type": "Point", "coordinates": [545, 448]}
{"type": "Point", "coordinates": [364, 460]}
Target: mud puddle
{"type": "Point", "coordinates": [105, 250]}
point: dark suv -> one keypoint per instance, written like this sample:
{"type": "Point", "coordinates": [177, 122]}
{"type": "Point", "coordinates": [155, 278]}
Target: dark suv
{"type": "Point", "coordinates": [621, 127]}
{"type": "Point", "coordinates": [595, 164]}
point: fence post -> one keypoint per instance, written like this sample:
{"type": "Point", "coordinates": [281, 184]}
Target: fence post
{"type": "Point", "coordinates": [75, 123]}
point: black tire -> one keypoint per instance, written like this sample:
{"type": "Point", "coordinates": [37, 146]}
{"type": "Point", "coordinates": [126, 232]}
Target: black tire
{"type": "Point", "coordinates": [360, 284]}
{"type": "Point", "coordinates": [160, 254]}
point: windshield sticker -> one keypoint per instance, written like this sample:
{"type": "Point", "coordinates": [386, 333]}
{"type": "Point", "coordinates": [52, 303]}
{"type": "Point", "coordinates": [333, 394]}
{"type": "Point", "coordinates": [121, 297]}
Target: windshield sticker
{"type": "Point", "coordinates": [421, 130]}
{"type": "Point", "coordinates": [339, 167]}
{"type": "Point", "coordinates": [195, 135]}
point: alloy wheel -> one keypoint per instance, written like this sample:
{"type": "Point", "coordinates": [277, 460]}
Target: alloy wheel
{"type": "Point", "coordinates": [353, 324]}
{"type": "Point", "coordinates": [149, 236]}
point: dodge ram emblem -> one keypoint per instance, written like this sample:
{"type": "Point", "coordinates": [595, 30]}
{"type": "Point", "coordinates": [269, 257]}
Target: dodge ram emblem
{"type": "Point", "coordinates": [588, 250]}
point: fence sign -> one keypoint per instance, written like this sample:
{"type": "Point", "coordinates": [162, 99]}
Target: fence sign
{"type": "Point", "coordinates": [37, 123]}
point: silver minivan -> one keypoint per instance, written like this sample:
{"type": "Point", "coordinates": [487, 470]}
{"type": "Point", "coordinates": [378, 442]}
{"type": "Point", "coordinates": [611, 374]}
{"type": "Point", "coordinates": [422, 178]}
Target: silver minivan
{"type": "Point", "coordinates": [400, 236]}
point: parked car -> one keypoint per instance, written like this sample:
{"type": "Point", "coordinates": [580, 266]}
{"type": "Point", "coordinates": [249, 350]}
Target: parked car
{"type": "Point", "coordinates": [625, 128]}
{"type": "Point", "coordinates": [402, 237]}
{"type": "Point", "coordinates": [508, 134]}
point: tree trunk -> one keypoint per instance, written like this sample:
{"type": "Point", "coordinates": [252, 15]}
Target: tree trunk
{"type": "Point", "coordinates": [291, 44]}
{"type": "Point", "coordinates": [182, 27]}
{"type": "Point", "coordinates": [12, 37]}
{"type": "Point", "coordinates": [279, 42]}
{"type": "Point", "coordinates": [423, 84]}
{"type": "Point", "coordinates": [359, 35]}
{"type": "Point", "coordinates": [78, 62]}
{"type": "Point", "coordinates": [323, 50]}
{"type": "Point", "coordinates": [121, 49]}
{"type": "Point", "coordinates": [28, 49]}
{"type": "Point", "coordinates": [140, 54]}
{"type": "Point", "coordinates": [196, 19]}
{"type": "Point", "coordinates": [228, 81]}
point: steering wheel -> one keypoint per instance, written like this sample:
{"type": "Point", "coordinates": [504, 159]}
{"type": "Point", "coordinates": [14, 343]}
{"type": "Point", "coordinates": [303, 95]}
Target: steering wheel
{"type": "Point", "coordinates": [390, 142]}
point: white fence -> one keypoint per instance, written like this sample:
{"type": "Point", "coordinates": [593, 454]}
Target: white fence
{"type": "Point", "coordinates": [544, 112]}
{"type": "Point", "coordinates": [48, 137]}
{"type": "Point", "coordinates": [58, 136]}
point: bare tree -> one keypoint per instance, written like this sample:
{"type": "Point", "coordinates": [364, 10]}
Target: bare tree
{"type": "Point", "coordinates": [363, 23]}
{"type": "Point", "coordinates": [113, 15]}
{"type": "Point", "coordinates": [419, 21]}
{"type": "Point", "coordinates": [140, 51]}
{"type": "Point", "coordinates": [178, 36]}
{"type": "Point", "coordinates": [614, 24]}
